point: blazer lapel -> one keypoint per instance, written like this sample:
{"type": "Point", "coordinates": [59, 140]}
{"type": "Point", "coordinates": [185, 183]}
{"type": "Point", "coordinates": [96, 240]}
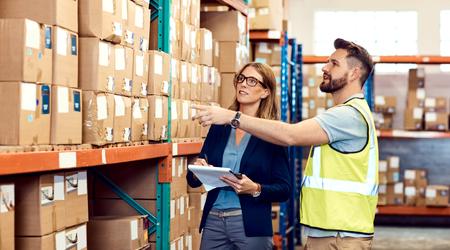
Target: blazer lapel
{"type": "Point", "coordinates": [248, 152]}
{"type": "Point", "coordinates": [223, 142]}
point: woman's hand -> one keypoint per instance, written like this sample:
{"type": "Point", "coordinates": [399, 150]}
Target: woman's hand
{"type": "Point", "coordinates": [241, 186]}
{"type": "Point", "coordinates": [201, 162]}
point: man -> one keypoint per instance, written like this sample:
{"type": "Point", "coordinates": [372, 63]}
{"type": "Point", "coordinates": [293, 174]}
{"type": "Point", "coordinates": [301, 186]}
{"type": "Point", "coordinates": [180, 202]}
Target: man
{"type": "Point", "coordinates": [340, 184]}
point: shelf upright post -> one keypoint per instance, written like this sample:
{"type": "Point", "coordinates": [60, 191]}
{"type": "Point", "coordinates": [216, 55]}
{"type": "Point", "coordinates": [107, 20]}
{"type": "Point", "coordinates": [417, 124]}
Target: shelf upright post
{"type": "Point", "coordinates": [162, 13]}
{"type": "Point", "coordinates": [299, 156]}
{"type": "Point", "coordinates": [368, 89]}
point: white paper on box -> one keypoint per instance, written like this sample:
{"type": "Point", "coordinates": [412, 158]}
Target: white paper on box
{"type": "Point", "coordinates": [187, 34]}
{"type": "Point", "coordinates": [6, 198]}
{"type": "Point", "coordinates": [139, 17]}
{"type": "Point", "coordinates": [410, 174]}
{"type": "Point", "coordinates": [117, 28]}
{"type": "Point", "coordinates": [382, 189]}
{"type": "Point", "coordinates": [127, 134]}
{"type": "Point", "coordinates": [193, 39]}
{"type": "Point", "coordinates": [175, 148]}
{"type": "Point", "coordinates": [108, 6]}
{"type": "Point", "coordinates": [63, 99]}
{"type": "Point", "coordinates": [189, 240]}
{"type": "Point", "coordinates": [67, 159]}
{"type": "Point", "coordinates": [173, 246]}
{"type": "Point", "coordinates": [174, 167]}
{"type": "Point", "coordinates": [417, 113]}
{"type": "Point", "coordinates": [180, 243]}
{"type": "Point", "coordinates": [33, 34]}
{"type": "Point", "coordinates": [420, 94]}
{"type": "Point", "coordinates": [125, 9]}
{"type": "Point", "coordinates": [174, 110]}
{"type": "Point", "coordinates": [173, 31]}
{"type": "Point", "coordinates": [158, 108]}
{"type": "Point", "coordinates": [379, 100]}
{"type": "Point", "coordinates": [119, 106]}
{"type": "Point", "coordinates": [180, 168]}
{"type": "Point", "coordinates": [398, 188]}
{"type": "Point", "coordinates": [421, 73]}
{"type": "Point", "coordinates": [71, 238]}
{"type": "Point", "coordinates": [410, 191]}
{"type": "Point", "coordinates": [430, 193]}
{"type": "Point", "coordinates": [60, 240]}
{"type": "Point", "coordinates": [139, 65]}
{"type": "Point", "coordinates": [186, 110]}
{"type": "Point", "coordinates": [172, 209]}
{"type": "Point", "coordinates": [71, 183]}
{"type": "Point", "coordinates": [165, 87]}
{"type": "Point", "coordinates": [28, 96]}
{"type": "Point", "coordinates": [110, 84]}
{"type": "Point", "coordinates": [82, 183]}
{"type": "Point", "coordinates": [102, 107]}
{"type": "Point", "coordinates": [430, 116]}
{"type": "Point", "coordinates": [137, 114]}
{"type": "Point", "coordinates": [120, 58]}
{"type": "Point", "coordinates": [62, 38]}
{"type": "Point", "coordinates": [109, 134]}
{"type": "Point", "coordinates": [263, 11]}
{"type": "Point", "coordinates": [382, 166]}
{"type": "Point", "coordinates": [305, 91]}
{"type": "Point", "coordinates": [183, 73]}
{"type": "Point", "coordinates": [173, 63]}
{"type": "Point", "coordinates": [194, 78]}
{"type": "Point", "coordinates": [82, 237]}
{"type": "Point", "coordinates": [144, 89]}
{"type": "Point", "coordinates": [158, 64]}
{"type": "Point", "coordinates": [47, 195]}
{"type": "Point", "coordinates": [394, 162]}
{"type": "Point", "coordinates": [216, 49]}
{"type": "Point", "coordinates": [58, 187]}
{"type": "Point", "coordinates": [205, 74]}
{"type": "Point", "coordinates": [430, 102]}
{"type": "Point", "coordinates": [181, 205]}
{"type": "Point", "coordinates": [127, 86]}
{"type": "Point", "coordinates": [208, 40]}
{"type": "Point", "coordinates": [213, 76]}
{"type": "Point", "coordinates": [103, 54]}
{"type": "Point", "coordinates": [134, 229]}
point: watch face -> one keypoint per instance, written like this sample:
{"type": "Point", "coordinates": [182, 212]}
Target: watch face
{"type": "Point", "coordinates": [235, 123]}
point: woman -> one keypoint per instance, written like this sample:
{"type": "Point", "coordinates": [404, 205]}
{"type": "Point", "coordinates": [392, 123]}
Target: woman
{"type": "Point", "coordinates": [239, 216]}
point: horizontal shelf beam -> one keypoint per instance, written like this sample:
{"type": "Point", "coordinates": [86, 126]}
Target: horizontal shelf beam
{"type": "Point", "coordinates": [265, 35]}
{"type": "Point", "coordinates": [412, 134]}
{"type": "Point", "coordinates": [186, 148]}
{"type": "Point", "coordinates": [19, 163]}
{"type": "Point", "coordinates": [425, 59]}
{"type": "Point", "coordinates": [411, 211]}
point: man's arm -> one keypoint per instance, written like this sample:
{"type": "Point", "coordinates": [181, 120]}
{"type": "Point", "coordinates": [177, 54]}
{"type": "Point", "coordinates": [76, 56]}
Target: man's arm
{"type": "Point", "coordinates": [304, 133]}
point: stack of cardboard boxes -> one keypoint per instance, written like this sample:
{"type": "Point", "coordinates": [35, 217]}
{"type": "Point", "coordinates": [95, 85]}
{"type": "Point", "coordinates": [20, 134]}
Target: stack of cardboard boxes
{"type": "Point", "coordinates": [390, 188]}
{"type": "Point", "coordinates": [266, 15]}
{"type": "Point", "coordinates": [197, 198]}
{"type": "Point", "coordinates": [314, 100]}
{"type": "Point", "coordinates": [230, 48]}
{"type": "Point", "coordinates": [51, 211]}
{"type": "Point", "coordinates": [7, 215]}
{"type": "Point", "coordinates": [39, 73]}
{"type": "Point", "coordinates": [385, 107]}
{"type": "Point", "coordinates": [422, 112]}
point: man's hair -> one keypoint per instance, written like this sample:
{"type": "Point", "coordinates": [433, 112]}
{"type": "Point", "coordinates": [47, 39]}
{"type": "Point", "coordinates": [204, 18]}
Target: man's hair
{"type": "Point", "coordinates": [356, 53]}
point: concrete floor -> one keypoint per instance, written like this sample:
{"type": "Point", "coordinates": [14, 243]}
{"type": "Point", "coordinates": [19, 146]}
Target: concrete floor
{"type": "Point", "coordinates": [410, 238]}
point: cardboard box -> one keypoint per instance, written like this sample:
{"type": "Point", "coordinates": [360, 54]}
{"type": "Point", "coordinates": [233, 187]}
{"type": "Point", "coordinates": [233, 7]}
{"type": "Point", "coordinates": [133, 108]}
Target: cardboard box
{"type": "Point", "coordinates": [76, 198]}
{"type": "Point", "coordinates": [382, 174]}
{"type": "Point", "coordinates": [123, 70]}
{"type": "Point", "coordinates": [195, 13]}
{"type": "Point", "coordinates": [416, 78]}
{"type": "Point", "coordinates": [436, 104]}
{"type": "Point", "coordinates": [127, 17]}
{"type": "Point", "coordinates": [175, 9]}
{"type": "Point", "coordinates": [385, 104]}
{"type": "Point", "coordinates": [216, 54]}
{"type": "Point", "coordinates": [196, 238]}
{"type": "Point", "coordinates": [194, 126]}
{"type": "Point", "coordinates": [185, 86]}
{"type": "Point", "coordinates": [185, 119]}
{"type": "Point", "coordinates": [26, 50]}
{"type": "Point", "coordinates": [7, 204]}
{"type": "Point", "coordinates": [101, 19]}
{"type": "Point", "coordinates": [70, 239]}
{"type": "Point", "coordinates": [174, 218]}
{"type": "Point", "coordinates": [195, 46]}
{"type": "Point", "coordinates": [175, 118]}
{"type": "Point", "coordinates": [45, 242]}
{"type": "Point", "coordinates": [437, 196]}
{"type": "Point", "coordinates": [216, 82]}
{"type": "Point", "coordinates": [175, 76]}
{"type": "Point", "coordinates": [55, 12]}
{"type": "Point", "coordinates": [416, 97]}
{"type": "Point", "coordinates": [195, 80]}
{"type": "Point", "coordinates": [382, 196]}
{"type": "Point", "coordinates": [140, 75]}
{"type": "Point", "coordinates": [174, 38]}
{"type": "Point", "coordinates": [410, 195]}
{"type": "Point", "coordinates": [205, 47]}
{"type": "Point", "coordinates": [122, 118]}
{"type": "Point", "coordinates": [227, 90]}
{"type": "Point", "coordinates": [117, 232]}
{"type": "Point", "coordinates": [40, 204]}
{"type": "Point", "coordinates": [141, 27]}
{"type": "Point", "coordinates": [413, 118]}
{"type": "Point", "coordinates": [28, 120]}
{"type": "Point", "coordinates": [159, 73]}
{"type": "Point", "coordinates": [65, 57]}
{"type": "Point", "coordinates": [235, 22]}
{"type": "Point", "coordinates": [206, 86]}
{"type": "Point", "coordinates": [436, 121]}
{"type": "Point", "coordinates": [383, 121]}
{"type": "Point", "coordinates": [276, 218]}
{"type": "Point", "coordinates": [395, 194]}
{"type": "Point", "coordinates": [157, 117]}
{"type": "Point", "coordinates": [66, 116]}
{"type": "Point", "coordinates": [186, 31]}
{"type": "Point", "coordinates": [267, 16]}
{"type": "Point", "coordinates": [393, 173]}
{"type": "Point", "coordinates": [263, 53]}
{"type": "Point", "coordinates": [232, 57]}
{"type": "Point", "coordinates": [185, 11]}
{"type": "Point", "coordinates": [96, 65]}
{"type": "Point", "coordinates": [204, 130]}
{"type": "Point", "coordinates": [98, 118]}
{"type": "Point", "coordinates": [139, 122]}
{"type": "Point", "coordinates": [415, 177]}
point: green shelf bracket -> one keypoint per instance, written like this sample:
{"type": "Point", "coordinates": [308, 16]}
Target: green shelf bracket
{"type": "Point", "coordinates": [130, 201]}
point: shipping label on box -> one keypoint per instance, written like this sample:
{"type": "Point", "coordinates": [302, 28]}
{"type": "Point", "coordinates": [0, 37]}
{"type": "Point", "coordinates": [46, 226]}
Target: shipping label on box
{"type": "Point", "coordinates": [98, 118]}
{"type": "Point", "coordinates": [159, 73]}
{"type": "Point", "coordinates": [123, 70]}
{"type": "Point", "coordinates": [140, 74]}
{"type": "Point", "coordinates": [157, 118]}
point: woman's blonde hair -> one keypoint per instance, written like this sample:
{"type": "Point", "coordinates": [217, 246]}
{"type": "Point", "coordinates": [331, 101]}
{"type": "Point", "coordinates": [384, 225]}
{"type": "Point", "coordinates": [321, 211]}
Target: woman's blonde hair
{"type": "Point", "coordinates": [268, 107]}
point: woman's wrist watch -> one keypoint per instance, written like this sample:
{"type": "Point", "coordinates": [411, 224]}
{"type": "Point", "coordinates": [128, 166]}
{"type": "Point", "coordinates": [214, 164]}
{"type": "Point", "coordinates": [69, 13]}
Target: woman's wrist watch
{"type": "Point", "coordinates": [258, 191]}
{"type": "Point", "coordinates": [235, 122]}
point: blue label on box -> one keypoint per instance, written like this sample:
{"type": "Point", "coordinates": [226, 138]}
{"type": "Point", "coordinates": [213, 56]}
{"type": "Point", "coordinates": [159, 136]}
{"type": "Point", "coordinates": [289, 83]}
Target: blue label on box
{"type": "Point", "coordinates": [45, 99]}
{"type": "Point", "coordinates": [48, 37]}
{"type": "Point", "coordinates": [77, 101]}
{"type": "Point", "coordinates": [73, 39]}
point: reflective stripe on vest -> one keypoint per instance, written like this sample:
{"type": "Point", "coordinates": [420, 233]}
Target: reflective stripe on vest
{"type": "Point", "coordinates": [369, 187]}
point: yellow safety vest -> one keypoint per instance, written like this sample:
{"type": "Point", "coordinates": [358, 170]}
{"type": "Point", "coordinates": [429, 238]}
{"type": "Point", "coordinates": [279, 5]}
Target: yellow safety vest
{"type": "Point", "coordinates": [340, 189]}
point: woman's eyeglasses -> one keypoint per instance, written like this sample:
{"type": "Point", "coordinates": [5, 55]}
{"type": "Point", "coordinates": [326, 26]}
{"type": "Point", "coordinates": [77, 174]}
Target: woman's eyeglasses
{"type": "Point", "coordinates": [251, 81]}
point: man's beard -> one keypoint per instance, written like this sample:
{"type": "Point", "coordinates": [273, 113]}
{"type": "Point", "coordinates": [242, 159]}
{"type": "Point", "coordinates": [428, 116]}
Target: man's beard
{"type": "Point", "coordinates": [334, 85]}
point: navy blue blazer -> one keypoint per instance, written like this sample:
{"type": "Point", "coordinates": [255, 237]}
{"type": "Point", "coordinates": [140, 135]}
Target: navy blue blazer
{"type": "Point", "coordinates": [264, 163]}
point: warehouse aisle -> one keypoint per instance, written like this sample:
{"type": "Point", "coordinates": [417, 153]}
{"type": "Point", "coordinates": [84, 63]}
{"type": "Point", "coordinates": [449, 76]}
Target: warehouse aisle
{"type": "Point", "coordinates": [409, 238]}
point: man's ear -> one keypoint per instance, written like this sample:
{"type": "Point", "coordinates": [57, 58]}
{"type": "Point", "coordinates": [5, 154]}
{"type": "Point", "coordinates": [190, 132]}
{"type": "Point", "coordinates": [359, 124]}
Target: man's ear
{"type": "Point", "coordinates": [355, 74]}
